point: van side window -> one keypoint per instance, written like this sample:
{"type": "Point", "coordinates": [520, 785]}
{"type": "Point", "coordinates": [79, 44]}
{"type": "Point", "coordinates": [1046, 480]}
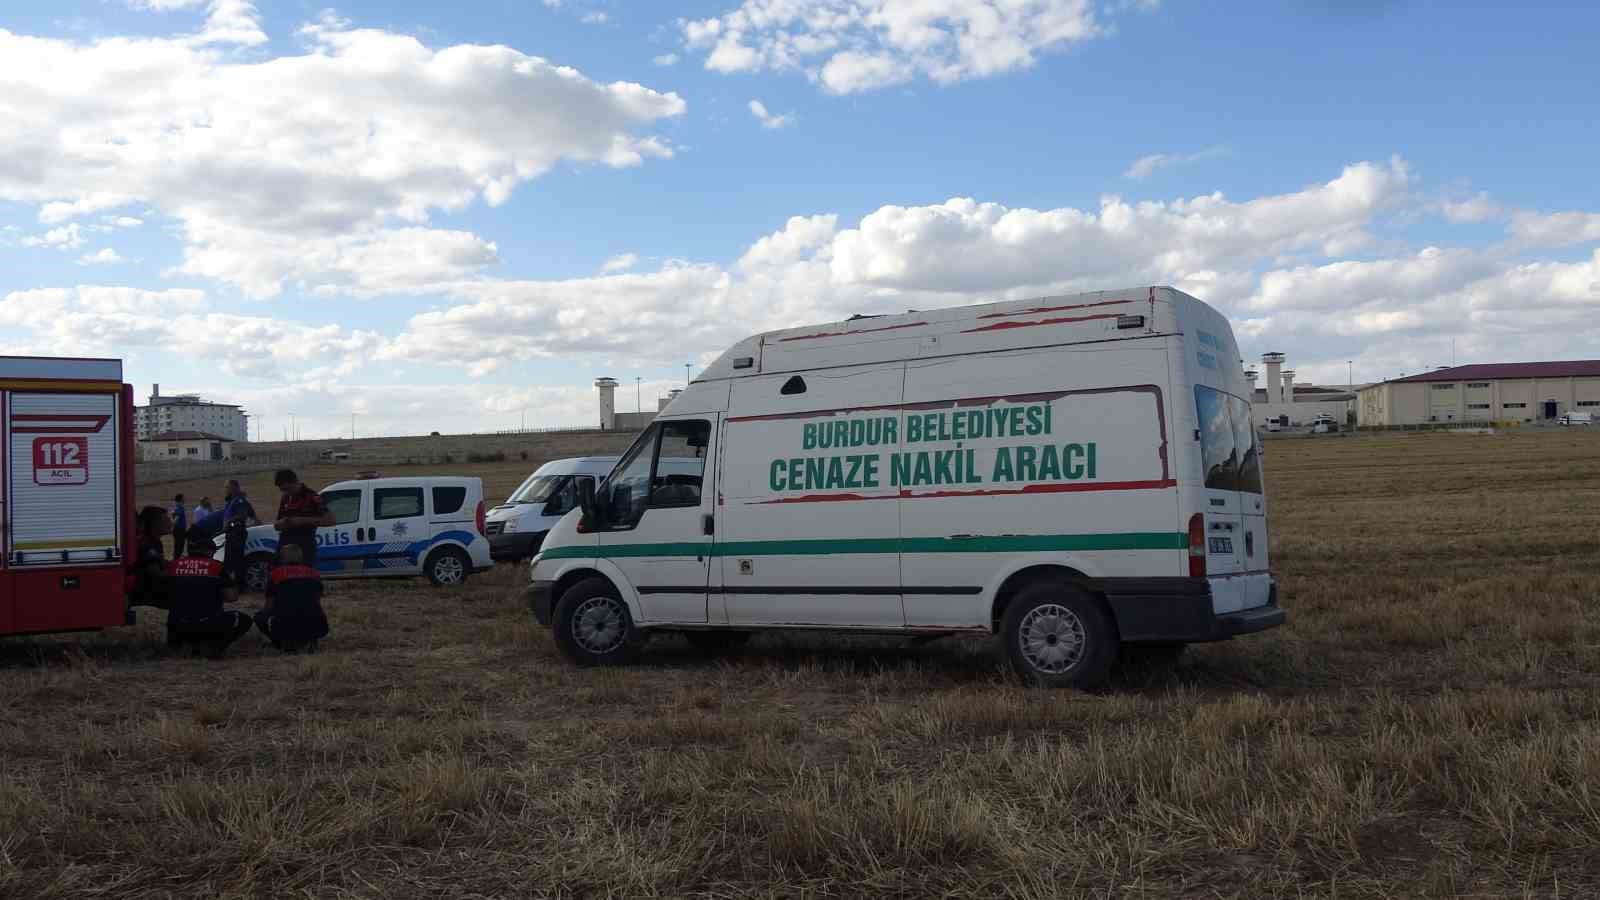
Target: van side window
{"type": "Point", "coordinates": [447, 500]}
{"type": "Point", "coordinates": [396, 503]}
{"type": "Point", "coordinates": [345, 506]}
{"type": "Point", "coordinates": [680, 464]}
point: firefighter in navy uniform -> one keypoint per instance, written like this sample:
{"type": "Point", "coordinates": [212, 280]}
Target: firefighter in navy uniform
{"type": "Point", "coordinates": [199, 590]}
{"type": "Point", "coordinates": [293, 618]}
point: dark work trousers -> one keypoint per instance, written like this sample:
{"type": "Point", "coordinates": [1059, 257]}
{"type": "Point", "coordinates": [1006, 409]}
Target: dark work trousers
{"type": "Point", "coordinates": [233, 552]}
{"type": "Point", "coordinates": [212, 633]}
{"type": "Point", "coordinates": [306, 541]}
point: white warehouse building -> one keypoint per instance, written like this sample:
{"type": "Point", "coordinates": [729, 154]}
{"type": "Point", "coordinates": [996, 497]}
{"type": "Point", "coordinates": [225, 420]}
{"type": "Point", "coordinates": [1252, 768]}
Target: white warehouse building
{"type": "Point", "coordinates": [189, 412]}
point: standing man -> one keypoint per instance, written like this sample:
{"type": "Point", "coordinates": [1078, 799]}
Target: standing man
{"type": "Point", "coordinates": [180, 525]}
{"type": "Point", "coordinates": [237, 517]}
{"type": "Point", "coordinates": [300, 513]}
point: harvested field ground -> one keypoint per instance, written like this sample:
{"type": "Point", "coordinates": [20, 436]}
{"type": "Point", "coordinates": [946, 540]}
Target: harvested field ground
{"type": "Point", "coordinates": [1427, 724]}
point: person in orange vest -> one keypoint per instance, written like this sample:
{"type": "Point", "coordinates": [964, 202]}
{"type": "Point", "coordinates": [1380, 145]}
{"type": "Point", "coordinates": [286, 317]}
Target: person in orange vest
{"type": "Point", "coordinates": [198, 591]}
{"type": "Point", "coordinates": [293, 618]}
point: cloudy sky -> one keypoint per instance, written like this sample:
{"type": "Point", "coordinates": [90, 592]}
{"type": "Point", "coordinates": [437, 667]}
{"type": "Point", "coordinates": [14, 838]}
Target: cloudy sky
{"type": "Point", "coordinates": [455, 216]}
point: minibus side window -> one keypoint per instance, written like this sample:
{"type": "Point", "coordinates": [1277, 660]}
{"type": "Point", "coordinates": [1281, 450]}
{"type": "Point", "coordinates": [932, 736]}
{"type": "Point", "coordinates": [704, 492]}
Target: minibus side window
{"type": "Point", "coordinates": [1218, 444]}
{"type": "Point", "coordinates": [1244, 436]}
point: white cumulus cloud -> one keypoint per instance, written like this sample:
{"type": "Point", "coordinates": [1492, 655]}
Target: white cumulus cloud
{"type": "Point", "coordinates": [622, 262]}
{"type": "Point", "coordinates": [105, 256]}
{"type": "Point", "coordinates": [273, 166]}
{"type": "Point", "coordinates": [848, 46]}
{"type": "Point", "coordinates": [769, 120]}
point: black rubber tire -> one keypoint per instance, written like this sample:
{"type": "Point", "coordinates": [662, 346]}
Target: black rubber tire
{"type": "Point", "coordinates": [716, 642]}
{"type": "Point", "coordinates": [257, 573]}
{"type": "Point", "coordinates": [454, 563]}
{"type": "Point", "coordinates": [1098, 635]}
{"type": "Point", "coordinates": [580, 598]}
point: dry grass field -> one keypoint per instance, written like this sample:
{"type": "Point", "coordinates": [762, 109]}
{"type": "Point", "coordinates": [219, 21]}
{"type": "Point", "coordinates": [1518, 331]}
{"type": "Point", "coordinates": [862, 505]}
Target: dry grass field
{"type": "Point", "coordinates": [1427, 725]}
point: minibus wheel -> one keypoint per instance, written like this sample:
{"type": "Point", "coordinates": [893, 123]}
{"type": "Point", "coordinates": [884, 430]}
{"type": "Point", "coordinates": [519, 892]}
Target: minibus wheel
{"type": "Point", "coordinates": [592, 625]}
{"type": "Point", "coordinates": [1057, 635]}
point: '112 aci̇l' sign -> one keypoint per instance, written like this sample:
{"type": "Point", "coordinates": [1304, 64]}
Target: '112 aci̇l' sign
{"type": "Point", "coordinates": [60, 460]}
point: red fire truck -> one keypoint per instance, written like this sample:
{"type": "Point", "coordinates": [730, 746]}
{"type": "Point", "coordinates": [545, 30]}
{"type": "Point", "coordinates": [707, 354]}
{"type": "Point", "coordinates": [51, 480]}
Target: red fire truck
{"type": "Point", "coordinates": [67, 508]}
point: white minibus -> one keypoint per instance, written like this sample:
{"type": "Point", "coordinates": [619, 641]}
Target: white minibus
{"type": "Point", "coordinates": [1071, 474]}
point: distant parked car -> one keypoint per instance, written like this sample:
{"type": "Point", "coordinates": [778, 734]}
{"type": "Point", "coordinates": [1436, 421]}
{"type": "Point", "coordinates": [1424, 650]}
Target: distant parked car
{"type": "Point", "coordinates": [1580, 418]}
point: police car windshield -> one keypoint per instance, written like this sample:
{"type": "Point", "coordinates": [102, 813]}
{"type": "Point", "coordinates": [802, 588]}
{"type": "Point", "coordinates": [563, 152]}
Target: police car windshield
{"type": "Point", "coordinates": [539, 488]}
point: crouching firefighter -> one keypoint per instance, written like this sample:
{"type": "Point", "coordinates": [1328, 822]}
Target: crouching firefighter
{"type": "Point", "coordinates": [199, 591]}
{"type": "Point", "coordinates": [293, 618]}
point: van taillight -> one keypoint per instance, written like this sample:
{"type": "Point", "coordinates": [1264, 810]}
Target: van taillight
{"type": "Point", "coordinates": [477, 517]}
{"type": "Point", "coordinates": [1197, 545]}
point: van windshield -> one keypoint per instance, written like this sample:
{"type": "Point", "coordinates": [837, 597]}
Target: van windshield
{"type": "Point", "coordinates": [539, 488]}
{"type": "Point", "coordinates": [1228, 446]}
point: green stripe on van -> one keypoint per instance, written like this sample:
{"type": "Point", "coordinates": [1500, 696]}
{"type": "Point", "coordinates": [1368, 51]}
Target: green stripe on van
{"type": "Point", "coordinates": [1007, 543]}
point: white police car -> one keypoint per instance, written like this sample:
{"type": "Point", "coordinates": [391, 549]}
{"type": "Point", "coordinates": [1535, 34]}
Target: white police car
{"type": "Point", "coordinates": [386, 528]}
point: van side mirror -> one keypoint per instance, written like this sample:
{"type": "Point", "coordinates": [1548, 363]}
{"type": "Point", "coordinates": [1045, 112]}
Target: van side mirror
{"type": "Point", "coordinates": [591, 510]}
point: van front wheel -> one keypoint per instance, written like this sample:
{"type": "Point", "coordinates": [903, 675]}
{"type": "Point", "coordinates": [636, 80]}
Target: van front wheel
{"type": "Point", "coordinates": [592, 625]}
{"type": "Point", "coordinates": [1057, 635]}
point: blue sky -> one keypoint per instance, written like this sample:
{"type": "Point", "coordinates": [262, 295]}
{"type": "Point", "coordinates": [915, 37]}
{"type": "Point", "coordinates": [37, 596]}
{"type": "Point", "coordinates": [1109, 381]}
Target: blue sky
{"type": "Point", "coordinates": [366, 210]}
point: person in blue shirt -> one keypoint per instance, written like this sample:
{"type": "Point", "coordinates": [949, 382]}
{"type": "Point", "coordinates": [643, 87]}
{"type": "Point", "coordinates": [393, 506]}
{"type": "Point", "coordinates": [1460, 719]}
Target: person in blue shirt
{"type": "Point", "coordinates": [180, 525]}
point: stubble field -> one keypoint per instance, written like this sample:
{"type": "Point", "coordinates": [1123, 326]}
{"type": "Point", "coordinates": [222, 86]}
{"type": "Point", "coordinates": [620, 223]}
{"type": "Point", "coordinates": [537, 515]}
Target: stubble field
{"type": "Point", "coordinates": [1427, 724]}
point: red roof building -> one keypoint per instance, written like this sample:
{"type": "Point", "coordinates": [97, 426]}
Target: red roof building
{"type": "Point", "coordinates": [1525, 392]}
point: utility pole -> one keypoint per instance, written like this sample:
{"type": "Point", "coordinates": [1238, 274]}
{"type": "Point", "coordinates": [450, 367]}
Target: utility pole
{"type": "Point", "coordinates": [686, 374]}
{"type": "Point", "coordinates": [352, 426]}
{"type": "Point", "coordinates": [637, 380]}
{"type": "Point", "coordinates": [1350, 375]}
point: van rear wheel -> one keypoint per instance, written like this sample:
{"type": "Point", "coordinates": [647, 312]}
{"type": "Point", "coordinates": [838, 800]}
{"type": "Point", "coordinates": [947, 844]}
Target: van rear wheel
{"type": "Point", "coordinates": [1057, 635]}
{"type": "Point", "coordinates": [592, 625]}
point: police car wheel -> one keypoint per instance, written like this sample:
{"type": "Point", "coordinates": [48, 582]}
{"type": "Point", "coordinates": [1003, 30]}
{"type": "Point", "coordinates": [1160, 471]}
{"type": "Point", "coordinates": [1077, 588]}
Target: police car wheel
{"type": "Point", "coordinates": [447, 567]}
{"type": "Point", "coordinates": [257, 573]}
{"type": "Point", "coordinates": [592, 626]}
{"type": "Point", "coordinates": [1057, 635]}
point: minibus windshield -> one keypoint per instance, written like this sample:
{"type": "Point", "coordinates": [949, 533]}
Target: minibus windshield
{"type": "Point", "coordinates": [539, 488]}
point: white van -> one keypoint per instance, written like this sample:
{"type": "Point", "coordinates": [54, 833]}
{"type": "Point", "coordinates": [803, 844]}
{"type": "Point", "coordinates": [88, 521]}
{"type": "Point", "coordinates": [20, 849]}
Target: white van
{"type": "Point", "coordinates": [388, 527]}
{"type": "Point", "coordinates": [517, 527]}
{"type": "Point", "coordinates": [1070, 473]}
{"type": "Point", "coordinates": [1577, 418]}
